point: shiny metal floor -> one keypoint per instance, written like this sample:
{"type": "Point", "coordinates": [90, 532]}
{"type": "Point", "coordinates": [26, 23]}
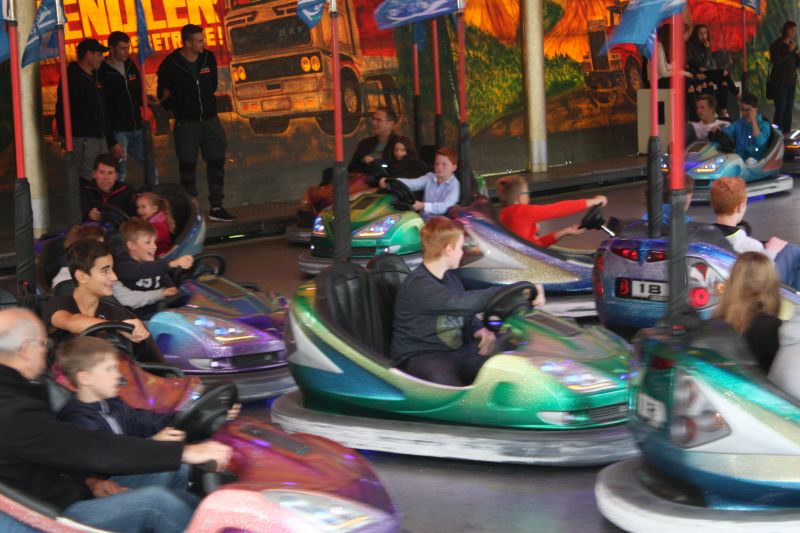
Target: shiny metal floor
{"type": "Point", "coordinates": [444, 496]}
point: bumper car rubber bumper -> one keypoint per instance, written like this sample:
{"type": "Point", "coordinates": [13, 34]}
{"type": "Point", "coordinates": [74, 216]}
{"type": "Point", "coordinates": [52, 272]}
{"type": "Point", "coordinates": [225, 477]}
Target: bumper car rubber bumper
{"type": "Point", "coordinates": [573, 447]}
{"type": "Point", "coordinates": [623, 500]}
{"type": "Point", "coordinates": [297, 234]}
{"type": "Point", "coordinates": [255, 385]}
{"type": "Point", "coordinates": [313, 265]}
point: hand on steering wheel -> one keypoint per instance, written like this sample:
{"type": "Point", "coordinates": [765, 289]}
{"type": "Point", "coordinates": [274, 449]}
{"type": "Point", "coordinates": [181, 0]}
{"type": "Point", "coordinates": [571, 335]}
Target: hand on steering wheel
{"type": "Point", "coordinates": [403, 196]}
{"type": "Point", "coordinates": [507, 301]}
{"type": "Point", "coordinates": [205, 263]}
{"type": "Point", "coordinates": [201, 418]}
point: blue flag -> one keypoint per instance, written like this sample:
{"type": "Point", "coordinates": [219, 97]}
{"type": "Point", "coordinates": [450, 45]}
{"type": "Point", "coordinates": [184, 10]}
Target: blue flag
{"type": "Point", "coordinates": [145, 50]}
{"type": "Point", "coordinates": [310, 11]}
{"type": "Point", "coordinates": [755, 5]}
{"type": "Point", "coordinates": [393, 13]}
{"type": "Point", "coordinates": [5, 52]}
{"type": "Point", "coordinates": [418, 34]}
{"type": "Point", "coordinates": [640, 19]}
{"type": "Point", "coordinates": [43, 39]}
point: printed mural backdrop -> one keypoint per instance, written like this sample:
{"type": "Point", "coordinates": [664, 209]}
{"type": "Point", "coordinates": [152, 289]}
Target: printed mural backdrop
{"type": "Point", "coordinates": [276, 84]}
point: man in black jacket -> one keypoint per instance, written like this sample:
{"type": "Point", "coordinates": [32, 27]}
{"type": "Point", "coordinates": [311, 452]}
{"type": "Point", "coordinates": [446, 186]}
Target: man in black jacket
{"type": "Point", "coordinates": [187, 81]}
{"type": "Point", "coordinates": [44, 457]}
{"type": "Point", "coordinates": [122, 89]}
{"type": "Point", "coordinates": [91, 129]}
{"type": "Point", "coordinates": [380, 145]}
{"type": "Point", "coordinates": [105, 190]}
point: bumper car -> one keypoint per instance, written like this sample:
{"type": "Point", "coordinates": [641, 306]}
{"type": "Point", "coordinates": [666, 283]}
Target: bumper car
{"type": "Point", "coordinates": [555, 394]}
{"type": "Point", "coordinates": [384, 223]}
{"type": "Point", "coordinates": [631, 288]}
{"type": "Point", "coordinates": [720, 444]}
{"type": "Point", "coordinates": [791, 152]}
{"type": "Point", "coordinates": [709, 160]}
{"type": "Point", "coordinates": [275, 481]}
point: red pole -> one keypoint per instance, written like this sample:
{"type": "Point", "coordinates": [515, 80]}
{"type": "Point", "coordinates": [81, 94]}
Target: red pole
{"type": "Point", "coordinates": [465, 159]}
{"type": "Point", "coordinates": [62, 64]}
{"type": "Point", "coordinates": [654, 88]}
{"type": "Point", "coordinates": [678, 101]}
{"type": "Point", "coordinates": [437, 87]}
{"type": "Point", "coordinates": [342, 247]}
{"type": "Point", "coordinates": [462, 68]}
{"type": "Point", "coordinates": [744, 51]}
{"type": "Point", "coordinates": [16, 98]}
{"type": "Point", "coordinates": [417, 104]}
{"type": "Point", "coordinates": [416, 70]}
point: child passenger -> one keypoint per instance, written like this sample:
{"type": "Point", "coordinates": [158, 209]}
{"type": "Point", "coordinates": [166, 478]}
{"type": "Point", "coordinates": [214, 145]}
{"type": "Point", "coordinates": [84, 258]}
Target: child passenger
{"type": "Point", "coordinates": [91, 365]}
{"type": "Point", "coordinates": [729, 201]}
{"type": "Point", "coordinates": [406, 163]}
{"type": "Point", "coordinates": [156, 210]}
{"type": "Point", "coordinates": [442, 188]}
{"type": "Point", "coordinates": [750, 304]}
{"type": "Point", "coordinates": [523, 219]}
{"type": "Point", "coordinates": [438, 337]}
{"type": "Point", "coordinates": [139, 270]}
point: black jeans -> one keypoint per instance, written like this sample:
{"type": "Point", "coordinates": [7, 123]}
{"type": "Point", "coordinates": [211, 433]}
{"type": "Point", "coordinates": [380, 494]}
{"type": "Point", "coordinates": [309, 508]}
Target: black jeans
{"type": "Point", "coordinates": [457, 368]}
{"type": "Point", "coordinates": [784, 105]}
{"type": "Point", "coordinates": [207, 137]}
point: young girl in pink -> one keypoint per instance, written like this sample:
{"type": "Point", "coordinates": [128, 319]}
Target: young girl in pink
{"type": "Point", "coordinates": [155, 209]}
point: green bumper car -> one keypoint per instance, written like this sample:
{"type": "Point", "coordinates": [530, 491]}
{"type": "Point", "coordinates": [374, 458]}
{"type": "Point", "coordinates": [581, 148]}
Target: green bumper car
{"type": "Point", "coordinates": [555, 394]}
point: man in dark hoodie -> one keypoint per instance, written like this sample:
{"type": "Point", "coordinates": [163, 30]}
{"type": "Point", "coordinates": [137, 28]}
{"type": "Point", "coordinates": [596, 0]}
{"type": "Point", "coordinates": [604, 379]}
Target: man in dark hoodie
{"type": "Point", "coordinates": [122, 89]}
{"type": "Point", "coordinates": [91, 129]}
{"type": "Point", "coordinates": [187, 81]}
{"type": "Point", "coordinates": [44, 457]}
{"type": "Point", "coordinates": [105, 190]}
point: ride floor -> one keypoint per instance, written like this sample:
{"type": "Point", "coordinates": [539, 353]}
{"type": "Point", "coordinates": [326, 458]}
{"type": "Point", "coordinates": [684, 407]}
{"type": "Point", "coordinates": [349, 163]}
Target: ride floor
{"type": "Point", "coordinates": [443, 496]}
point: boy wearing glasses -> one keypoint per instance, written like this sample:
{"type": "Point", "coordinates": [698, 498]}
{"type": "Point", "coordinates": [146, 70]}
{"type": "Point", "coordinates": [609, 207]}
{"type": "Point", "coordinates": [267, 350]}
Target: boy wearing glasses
{"type": "Point", "coordinates": [750, 132]}
{"type": "Point", "coordinates": [523, 219]}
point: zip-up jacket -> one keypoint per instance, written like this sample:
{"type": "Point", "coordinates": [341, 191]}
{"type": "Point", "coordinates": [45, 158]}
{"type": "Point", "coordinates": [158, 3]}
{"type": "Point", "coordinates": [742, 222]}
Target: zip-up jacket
{"type": "Point", "coordinates": [89, 117]}
{"type": "Point", "coordinates": [120, 195]}
{"type": "Point", "coordinates": [191, 97]}
{"type": "Point", "coordinates": [114, 416]}
{"type": "Point", "coordinates": [123, 96]}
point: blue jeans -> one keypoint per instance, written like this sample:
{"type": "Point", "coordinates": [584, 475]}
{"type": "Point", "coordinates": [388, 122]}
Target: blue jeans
{"type": "Point", "coordinates": [178, 479]}
{"type": "Point", "coordinates": [784, 104]}
{"type": "Point", "coordinates": [788, 264]}
{"type": "Point", "coordinates": [132, 143]}
{"type": "Point", "coordinates": [156, 509]}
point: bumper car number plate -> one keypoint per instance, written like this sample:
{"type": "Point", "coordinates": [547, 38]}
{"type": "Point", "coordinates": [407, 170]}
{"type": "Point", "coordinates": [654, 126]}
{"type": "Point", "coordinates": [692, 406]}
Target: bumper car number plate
{"type": "Point", "coordinates": [651, 410]}
{"type": "Point", "coordinates": [642, 289]}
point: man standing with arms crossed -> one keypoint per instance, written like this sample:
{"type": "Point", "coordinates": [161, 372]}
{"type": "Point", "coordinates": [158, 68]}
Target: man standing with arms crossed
{"type": "Point", "coordinates": [187, 81]}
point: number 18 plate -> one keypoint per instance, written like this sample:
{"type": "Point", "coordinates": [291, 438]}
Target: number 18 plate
{"type": "Point", "coordinates": [642, 289]}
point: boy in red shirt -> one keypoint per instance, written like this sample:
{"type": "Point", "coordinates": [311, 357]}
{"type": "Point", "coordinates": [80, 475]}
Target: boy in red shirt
{"type": "Point", "coordinates": [523, 219]}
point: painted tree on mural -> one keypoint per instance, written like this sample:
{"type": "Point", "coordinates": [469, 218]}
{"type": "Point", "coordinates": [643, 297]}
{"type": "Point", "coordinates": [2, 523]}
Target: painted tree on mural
{"type": "Point", "coordinates": [568, 37]}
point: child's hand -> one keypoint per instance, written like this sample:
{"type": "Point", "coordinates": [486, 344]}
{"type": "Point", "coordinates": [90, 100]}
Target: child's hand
{"type": "Point", "coordinates": [597, 200]}
{"type": "Point", "coordinates": [185, 262]}
{"type": "Point", "coordinates": [540, 300]}
{"type": "Point", "coordinates": [94, 214]}
{"type": "Point", "coordinates": [569, 230]}
{"type": "Point", "coordinates": [139, 332]}
{"type": "Point", "coordinates": [774, 244]}
{"type": "Point", "coordinates": [170, 291]}
{"type": "Point", "coordinates": [103, 487]}
{"type": "Point", "coordinates": [234, 411]}
{"type": "Point", "coordinates": [382, 183]}
{"type": "Point", "coordinates": [486, 341]}
{"type": "Point", "coordinates": [170, 434]}
{"type": "Point", "coordinates": [418, 206]}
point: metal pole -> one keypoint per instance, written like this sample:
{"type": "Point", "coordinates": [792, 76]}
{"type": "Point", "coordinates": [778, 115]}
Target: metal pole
{"type": "Point", "coordinates": [533, 73]}
{"type": "Point", "coordinates": [655, 188]}
{"type": "Point", "coordinates": [464, 162]}
{"type": "Point", "coordinates": [341, 202]}
{"type": "Point", "coordinates": [437, 87]}
{"type": "Point", "coordinates": [23, 213]}
{"type": "Point", "coordinates": [148, 161]}
{"type": "Point", "coordinates": [744, 51]}
{"type": "Point", "coordinates": [417, 108]}
{"type": "Point", "coordinates": [677, 233]}
{"type": "Point", "coordinates": [70, 164]}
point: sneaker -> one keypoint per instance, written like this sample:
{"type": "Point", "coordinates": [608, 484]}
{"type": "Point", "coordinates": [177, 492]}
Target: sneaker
{"type": "Point", "coordinates": [221, 214]}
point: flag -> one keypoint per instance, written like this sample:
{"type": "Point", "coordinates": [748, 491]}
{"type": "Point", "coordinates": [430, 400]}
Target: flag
{"type": "Point", "coordinates": [4, 49]}
{"type": "Point", "coordinates": [145, 50]}
{"type": "Point", "coordinates": [393, 13]}
{"type": "Point", "coordinates": [640, 19]}
{"type": "Point", "coordinates": [418, 34]}
{"type": "Point", "coordinates": [43, 39]}
{"type": "Point", "coordinates": [310, 11]}
{"type": "Point", "coordinates": [755, 5]}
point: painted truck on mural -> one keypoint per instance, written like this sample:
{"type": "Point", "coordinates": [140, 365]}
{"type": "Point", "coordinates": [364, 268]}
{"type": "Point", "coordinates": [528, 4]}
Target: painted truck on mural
{"type": "Point", "coordinates": [281, 69]}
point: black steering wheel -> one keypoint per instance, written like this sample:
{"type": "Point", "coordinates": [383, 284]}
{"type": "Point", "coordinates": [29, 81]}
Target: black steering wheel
{"type": "Point", "coordinates": [593, 219]}
{"type": "Point", "coordinates": [403, 196]}
{"type": "Point", "coordinates": [201, 418]}
{"type": "Point", "coordinates": [205, 263]}
{"type": "Point", "coordinates": [724, 142]}
{"type": "Point", "coordinates": [113, 330]}
{"type": "Point", "coordinates": [113, 215]}
{"type": "Point", "coordinates": [507, 301]}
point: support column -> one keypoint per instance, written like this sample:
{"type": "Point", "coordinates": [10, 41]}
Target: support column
{"type": "Point", "coordinates": [33, 138]}
{"type": "Point", "coordinates": [533, 75]}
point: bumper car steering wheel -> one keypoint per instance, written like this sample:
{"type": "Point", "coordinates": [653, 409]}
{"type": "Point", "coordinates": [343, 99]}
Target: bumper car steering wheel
{"type": "Point", "coordinates": [206, 263]}
{"type": "Point", "coordinates": [507, 301]}
{"type": "Point", "coordinates": [594, 219]}
{"type": "Point", "coordinates": [403, 196]}
{"type": "Point", "coordinates": [113, 215]}
{"type": "Point", "coordinates": [112, 333]}
{"type": "Point", "coordinates": [201, 418]}
{"type": "Point", "coordinates": [724, 142]}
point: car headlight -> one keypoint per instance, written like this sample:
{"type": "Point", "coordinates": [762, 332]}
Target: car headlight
{"type": "Point", "coordinates": [664, 163]}
{"type": "Point", "coordinates": [319, 228]}
{"type": "Point", "coordinates": [378, 228]}
{"type": "Point", "coordinates": [574, 375]}
{"type": "Point", "coordinates": [711, 166]}
{"type": "Point", "coordinates": [324, 512]}
{"type": "Point", "coordinates": [219, 329]}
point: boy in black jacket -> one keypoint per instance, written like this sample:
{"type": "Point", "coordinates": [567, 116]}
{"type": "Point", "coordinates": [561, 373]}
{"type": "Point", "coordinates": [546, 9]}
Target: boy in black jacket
{"type": "Point", "coordinates": [436, 335]}
{"type": "Point", "coordinates": [91, 365]}
{"type": "Point", "coordinates": [187, 81]}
